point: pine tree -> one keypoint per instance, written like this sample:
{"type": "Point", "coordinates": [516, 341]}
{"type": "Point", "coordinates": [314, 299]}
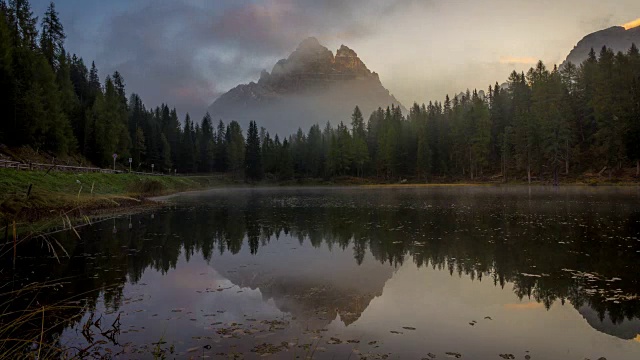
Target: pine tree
{"type": "Point", "coordinates": [423, 165]}
{"type": "Point", "coordinates": [188, 158]}
{"type": "Point", "coordinates": [388, 145]}
{"type": "Point", "coordinates": [610, 128]}
{"type": "Point", "coordinates": [315, 155]}
{"type": "Point", "coordinates": [298, 144]}
{"type": "Point", "coordinates": [24, 24]}
{"type": "Point", "coordinates": [253, 158]}
{"type": "Point", "coordinates": [357, 124]}
{"type": "Point", "coordinates": [525, 130]}
{"type": "Point", "coordinates": [286, 162]}
{"type": "Point", "coordinates": [359, 150]}
{"type": "Point", "coordinates": [221, 163]}
{"type": "Point", "coordinates": [207, 145]}
{"type": "Point", "coordinates": [481, 136]}
{"type": "Point", "coordinates": [165, 154]}
{"type": "Point", "coordinates": [7, 103]}
{"type": "Point", "coordinates": [118, 83]}
{"type": "Point", "coordinates": [235, 148]}
{"type": "Point", "coordinates": [52, 36]}
{"type": "Point", "coordinates": [341, 151]}
{"type": "Point", "coordinates": [632, 133]}
{"type": "Point", "coordinates": [94, 80]}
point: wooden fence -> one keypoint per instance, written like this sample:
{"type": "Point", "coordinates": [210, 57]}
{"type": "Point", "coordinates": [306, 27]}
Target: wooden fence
{"type": "Point", "coordinates": [7, 164]}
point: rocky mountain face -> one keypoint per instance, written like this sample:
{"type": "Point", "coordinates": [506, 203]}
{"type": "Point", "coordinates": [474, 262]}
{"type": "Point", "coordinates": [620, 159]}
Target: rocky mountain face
{"type": "Point", "coordinates": [311, 86]}
{"type": "Point", "coordinates": [616, 38]}
{"type": "Point", "coordinates": [629, 329]}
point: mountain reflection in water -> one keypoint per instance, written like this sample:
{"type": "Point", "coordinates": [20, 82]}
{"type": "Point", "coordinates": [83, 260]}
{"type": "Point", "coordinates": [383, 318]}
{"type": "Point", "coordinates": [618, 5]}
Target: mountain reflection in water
{"type": "Point", "coordinates": [478, 271]}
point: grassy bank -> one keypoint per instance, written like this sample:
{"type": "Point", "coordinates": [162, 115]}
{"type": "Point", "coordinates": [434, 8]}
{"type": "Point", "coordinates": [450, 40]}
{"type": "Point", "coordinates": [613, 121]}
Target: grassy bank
{"type": "Point", "coordinates": [33, 195]}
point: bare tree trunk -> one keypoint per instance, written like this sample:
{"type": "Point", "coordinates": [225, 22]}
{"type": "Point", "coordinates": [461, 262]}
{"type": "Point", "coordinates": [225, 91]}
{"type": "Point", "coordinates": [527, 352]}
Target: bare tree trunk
{"type": "Point", "coordinates": [504, 166]}
{"type": "Point", "coordinates": [566, 164]}
{"type": "Point", "coordinates": [529, 166]}
{"type": "Point", "coordinates": [470, 164]}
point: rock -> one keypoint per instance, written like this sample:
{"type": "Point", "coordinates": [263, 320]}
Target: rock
{"type": "Point", "coordinates": [616, 38]}
{"type": "Point", "coordinates": [310, 86]}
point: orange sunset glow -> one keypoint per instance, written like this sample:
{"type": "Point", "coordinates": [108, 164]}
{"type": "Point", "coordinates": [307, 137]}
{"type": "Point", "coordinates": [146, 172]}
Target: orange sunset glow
{"type": "Point", "coordinates": [632, 24]}
{"type": "Point", "coordinates": [524, 306]}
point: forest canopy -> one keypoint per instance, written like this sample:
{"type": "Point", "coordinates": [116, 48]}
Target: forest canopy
{"type": "Point", "coordinates": [572, 119]}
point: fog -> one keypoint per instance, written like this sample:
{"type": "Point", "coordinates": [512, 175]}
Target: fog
{"type": "Point", "coordinates": [189, 52]}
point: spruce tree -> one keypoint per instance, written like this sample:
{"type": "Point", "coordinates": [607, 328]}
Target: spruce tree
{"type": "Point", "coordinates": [52, 36]}
{"type": "Point", "coordinates": [188, 158]}
{"type": "Point", "coordinates": [7, 79]}
{"type": "Point", "coordinates": [285, 171]}
{"type": "Point", "coordinates": [315, 158]}
{"type": "Point", "coordinates": [221, 163]}
{"type": "Point", "coordinates": [253, 156]}
{"type": "Point", "coordinates": [94, 80]}
{"type": "Point", "coordinates": [235, 148]}
{"type": "Point", "coordinates": [207, 145]}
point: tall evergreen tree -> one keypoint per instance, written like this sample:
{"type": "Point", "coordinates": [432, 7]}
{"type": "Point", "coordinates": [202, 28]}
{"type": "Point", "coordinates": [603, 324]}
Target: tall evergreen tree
{"type": "Point", "coordinates": [221, 163]}
{"type": "Point", "coordinates": [235, 148]}
{"type": "Point", "coordinates": [7, 103]}
{"type": "Point", "coordinates": [253, 154]}
{"type": "Point", "coordinates": [285, 171]}
{"type": "Point", "coordinates": [359, 149]}
{"type": "Point", "coordinates": [188, 158]}
{"type": "Point", "coordinates": [207, 145]}
{"type": "Point", "coordinates": [52, 36]}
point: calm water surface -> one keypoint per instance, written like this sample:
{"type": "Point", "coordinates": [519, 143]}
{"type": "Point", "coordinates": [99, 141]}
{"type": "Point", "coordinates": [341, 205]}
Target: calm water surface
{"type": "Point", "coordinates": [376, 273]}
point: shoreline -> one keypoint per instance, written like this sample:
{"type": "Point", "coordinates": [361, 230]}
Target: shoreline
{"type": "Point", "coordinates": [117, 194]}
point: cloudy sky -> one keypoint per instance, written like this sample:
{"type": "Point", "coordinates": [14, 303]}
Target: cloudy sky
{"type": "Point", "coordinates": [187, 52]}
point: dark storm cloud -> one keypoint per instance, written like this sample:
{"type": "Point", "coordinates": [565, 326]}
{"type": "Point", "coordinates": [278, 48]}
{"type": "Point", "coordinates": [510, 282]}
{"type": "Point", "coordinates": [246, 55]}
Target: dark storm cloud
{"type": "Point", "coordinates": [187, 52]}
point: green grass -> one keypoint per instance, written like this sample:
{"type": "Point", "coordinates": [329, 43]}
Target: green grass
{"type": "Point", "coordinates": [64, 191]}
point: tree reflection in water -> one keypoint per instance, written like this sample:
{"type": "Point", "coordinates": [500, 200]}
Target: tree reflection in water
{"type": "Point", "coordinates": [576, 246]}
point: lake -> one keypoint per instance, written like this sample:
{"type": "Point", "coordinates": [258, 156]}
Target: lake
{"type": "Point", "coordinates": [477, 272]}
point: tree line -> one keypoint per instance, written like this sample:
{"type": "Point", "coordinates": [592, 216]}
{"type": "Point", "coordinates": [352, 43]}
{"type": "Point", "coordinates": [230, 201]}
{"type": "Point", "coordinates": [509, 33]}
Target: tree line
{"type": "Point", "coordinates": [543, 123]}
{"type": "Point", "coordinates": [540, 124]}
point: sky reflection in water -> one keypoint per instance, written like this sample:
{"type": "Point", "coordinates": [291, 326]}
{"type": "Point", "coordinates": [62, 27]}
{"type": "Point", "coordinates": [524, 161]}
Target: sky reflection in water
{"type": "Point", "coordinates": [476, 271]}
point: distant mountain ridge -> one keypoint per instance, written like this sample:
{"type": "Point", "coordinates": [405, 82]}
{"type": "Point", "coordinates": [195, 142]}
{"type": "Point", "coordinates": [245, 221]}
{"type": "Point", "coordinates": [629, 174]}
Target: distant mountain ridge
{"type": "Point", "coordinates": [310, 86]}
{"type": "Point", "coordinates": [616, 38]}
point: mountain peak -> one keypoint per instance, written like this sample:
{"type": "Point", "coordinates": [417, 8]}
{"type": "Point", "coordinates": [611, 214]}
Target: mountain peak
{"type": "Point", "coordinates": [616, 38]}
{"type": "Point", "coordinates": [346, 52]}
{"type": "Point", "coordinates": [311, 62]}
{"type": "Point", "coordinates": [310, 86]}
{"type": "Point", "coordinates": [310, 43]}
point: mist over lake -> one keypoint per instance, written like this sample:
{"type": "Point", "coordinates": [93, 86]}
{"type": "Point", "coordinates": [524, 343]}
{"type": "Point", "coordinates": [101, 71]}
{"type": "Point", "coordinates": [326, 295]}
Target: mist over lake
{"type": "Point", "coordinates": [377, 272]}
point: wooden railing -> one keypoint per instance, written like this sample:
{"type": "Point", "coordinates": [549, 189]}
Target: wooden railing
{"type": "Point", "coordinates": [7, 164]}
